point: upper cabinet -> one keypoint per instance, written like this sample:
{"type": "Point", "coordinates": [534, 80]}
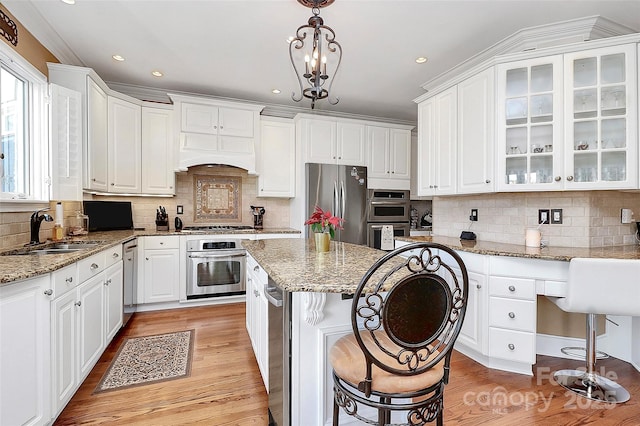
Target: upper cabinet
{"type": "Point", "coordinates": [212, 131]}
{"type": "Point", "coordinates": [384, 148]}
{"type": "Point", "coordinates": [121, 147]}
{"type": "Point", "coordinates": [530, 123]}
{"type": "Point", "coordinates": [124, 147]}
{"type": "Point", "coordinates": [276, 153]}
{"type": "Point", "coordinates": [329, 141]}
{"type": "Point", "coordinates": [601, 139]}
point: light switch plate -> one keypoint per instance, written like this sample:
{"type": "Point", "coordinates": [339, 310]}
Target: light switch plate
{"type": "Point", "coordinates": [626, 216]}
{"type": "Point", "coordinates": [556, 216]}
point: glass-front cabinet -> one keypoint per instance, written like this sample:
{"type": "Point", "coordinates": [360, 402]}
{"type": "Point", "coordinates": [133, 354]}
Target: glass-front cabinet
{"type": "Point", "coordinates": [600, 107]}
{"type": "Point", "coordinates": [530, 118]}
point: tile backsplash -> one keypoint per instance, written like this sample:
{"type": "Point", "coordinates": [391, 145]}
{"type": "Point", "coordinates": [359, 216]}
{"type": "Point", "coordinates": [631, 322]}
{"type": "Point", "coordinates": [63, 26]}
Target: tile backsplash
{"type": "Point", "coordinates": [590, 218]}
{"type": "Point", "coordinates": [14, 227]}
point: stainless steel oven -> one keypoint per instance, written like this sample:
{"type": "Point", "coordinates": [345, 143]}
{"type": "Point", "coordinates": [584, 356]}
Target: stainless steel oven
{"type": "Point", "coordinates": [388, 206]}
{"type": "Point", "coordinates": [374, 232]}
{"type": "Point", "coordinates": [215, 267]}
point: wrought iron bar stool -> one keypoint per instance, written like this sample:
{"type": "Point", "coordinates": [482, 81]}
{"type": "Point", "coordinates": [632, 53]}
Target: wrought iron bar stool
{"type": "Point", "coordinates": [406, 316]}
{"type": "Point", "coordinates": [598, 286]}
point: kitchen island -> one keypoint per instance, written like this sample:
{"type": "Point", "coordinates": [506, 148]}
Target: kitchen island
{"type": "Point", "coordinates": [317, 284]}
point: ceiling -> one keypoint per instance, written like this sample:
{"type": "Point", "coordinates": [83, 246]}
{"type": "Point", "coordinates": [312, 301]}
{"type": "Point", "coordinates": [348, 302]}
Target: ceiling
{"type": "Point", "coordinates": [238, 48]}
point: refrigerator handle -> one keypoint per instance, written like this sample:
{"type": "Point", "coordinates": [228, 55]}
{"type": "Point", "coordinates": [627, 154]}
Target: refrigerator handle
{"type": "Point", "coordinates": [342, 199]}
{"type": "Point", "coordinates": [335, 199]}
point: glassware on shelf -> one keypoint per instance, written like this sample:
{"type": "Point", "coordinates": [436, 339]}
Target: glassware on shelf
{"type": "Point", "coordinates": [548, 148]}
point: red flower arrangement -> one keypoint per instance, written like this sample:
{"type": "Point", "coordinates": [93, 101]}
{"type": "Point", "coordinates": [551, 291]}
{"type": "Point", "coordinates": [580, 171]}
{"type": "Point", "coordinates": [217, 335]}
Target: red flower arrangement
{"type": "Point", "coordinates": [323, 221]}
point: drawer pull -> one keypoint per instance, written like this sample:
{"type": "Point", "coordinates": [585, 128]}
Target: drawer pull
{"type": "Point", "coordinates": [48, 292]}
{"type": "Point", "coordinates": [107, 282]}
{"type": "Point", "coordinates": [115, 255]}
{"type": "Point", "coordinates": [512, 288]}
{"type": "Point", "coordinates": [512, 315]}
{"type": "Point", "coordinates": [256, 268]}
{"type": "Point", "coordinates": [69, 280]}
{"type": "Point", "coordinates": [511, 346]}
{"type": "Point", "coordinates": [94, 266]}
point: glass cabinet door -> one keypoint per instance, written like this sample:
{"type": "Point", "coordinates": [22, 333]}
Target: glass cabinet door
{"type": "Point", "coordinates": [529, 123]}
{"type": "Point", "coordinates": [601, 145]}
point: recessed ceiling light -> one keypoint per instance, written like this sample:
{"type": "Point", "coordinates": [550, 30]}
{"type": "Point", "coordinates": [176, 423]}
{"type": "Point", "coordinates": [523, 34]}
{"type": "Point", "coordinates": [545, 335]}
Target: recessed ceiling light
{"type": "Point", "coordinates": [69, 1]}
{"type": "Point", "coordinates": [421, 60]}
{"type": "Point", "coordinates": [156, 73]}
{"type": "Point", "coordinates": [275, 91]}
{"type": "Point", "coordinates": [118, 58]}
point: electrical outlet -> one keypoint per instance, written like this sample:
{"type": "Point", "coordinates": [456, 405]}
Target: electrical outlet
{"type": "Point", "coordinates": [179, 210]}
{"type": "Point", "coordinates": [626, 216]}
{"type": "Point", "coordinates": [556, 216]}
{"type": "Point", "coordinates": [474, 215]}
{"type": "Point", "coordinates": [543, 216]}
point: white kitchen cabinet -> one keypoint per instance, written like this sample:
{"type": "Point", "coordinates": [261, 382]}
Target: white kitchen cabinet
{"type": "Point", "coordinates": [437, 140]}
{"type": "Point", "coordinates": [66, 139]}
{"type": "Point", "coordinates": [389, 161]}
{"type": "Point", "coordinates": [124, 146]}
{"type": "Point", "coordinates": [25, 342]}
{"type": "Point", "coordinates": [257, 317]}
{"type": "Point", "coordinates": [160, 269]}
{"type": "Point", "coordinates": [276, 154]}
{"type": "Point", "coordinates": [216, 131]}
{"type": "Point", "coordinates": [64, 318]}
{"type": "Point", "coordinates": [530, 120]}
{"type": "Point", "coordinates": [601, 131]}
{"type": "Point", "coordinates": [113, 300]}
{"type": "Point", "coordinates": [96, 142]}
{"type": "Point", "coordinates": [476, 144]}
{"type": "Point", "coordinates": [333, 142]}
{"type": "Point", "coordinates": [157, 169]}
{"type": "Point", "coordinates": [91, 329]}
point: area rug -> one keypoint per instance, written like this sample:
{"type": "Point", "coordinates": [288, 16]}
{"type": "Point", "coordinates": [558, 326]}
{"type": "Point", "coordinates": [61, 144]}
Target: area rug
{"type": "Point", "coordinates": [149, 359]}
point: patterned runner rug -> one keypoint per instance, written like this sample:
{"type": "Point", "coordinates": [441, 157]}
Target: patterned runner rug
{"type": "Point", "coordinates": [149, 359]}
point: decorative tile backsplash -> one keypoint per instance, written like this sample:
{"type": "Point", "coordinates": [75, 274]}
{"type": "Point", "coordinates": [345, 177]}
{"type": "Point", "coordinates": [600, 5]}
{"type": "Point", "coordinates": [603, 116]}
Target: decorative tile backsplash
{"type": "Point", "coordinates": [590, 218]}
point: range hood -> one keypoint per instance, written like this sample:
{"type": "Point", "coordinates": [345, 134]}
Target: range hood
{"type": "Point", "coordinates": [198, 149]}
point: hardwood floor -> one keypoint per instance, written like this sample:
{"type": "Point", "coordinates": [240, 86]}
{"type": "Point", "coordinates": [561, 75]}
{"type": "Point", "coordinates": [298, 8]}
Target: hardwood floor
{"type": "Point", "coordinates": [225, 387]}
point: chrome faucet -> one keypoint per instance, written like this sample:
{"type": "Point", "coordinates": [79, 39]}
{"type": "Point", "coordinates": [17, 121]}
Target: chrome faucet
{"type": "Point", "coordinates": [36, 220]}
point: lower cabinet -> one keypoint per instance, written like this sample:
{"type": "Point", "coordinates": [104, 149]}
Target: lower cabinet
{"type": "Point", "coordinates": [160, 269]}
{"type": "Point", "coordinates": [25, 352]}
{"type": "Point", "coordinates": [257, 317]}
{"type": "Point", "coordinates": [84, 319]}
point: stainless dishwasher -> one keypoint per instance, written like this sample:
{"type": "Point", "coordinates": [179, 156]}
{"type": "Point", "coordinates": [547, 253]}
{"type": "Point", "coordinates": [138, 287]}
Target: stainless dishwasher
{"type": "Point", "coordinates": [279, 316]}
{"type": "Point", "coordinates": [130, 280]}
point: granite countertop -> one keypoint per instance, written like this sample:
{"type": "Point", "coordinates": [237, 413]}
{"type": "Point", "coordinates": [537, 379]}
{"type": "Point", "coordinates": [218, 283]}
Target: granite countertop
{"type": "Point", "coordinates": [18, 267]}
{"type": "Point", "coordinates": [295, 265]}
{"type": "Point", "coordinates": [520, 250]}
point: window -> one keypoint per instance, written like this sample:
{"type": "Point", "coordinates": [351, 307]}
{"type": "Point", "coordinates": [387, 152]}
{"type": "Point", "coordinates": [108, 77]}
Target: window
{"type": "Point", "coordinates": [23, 130]}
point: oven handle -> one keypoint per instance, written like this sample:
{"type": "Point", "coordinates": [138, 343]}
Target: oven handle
{"type": "Point", "coordinates": [387, 203]}
{"type": "Point", "coordinates": [215, 256]}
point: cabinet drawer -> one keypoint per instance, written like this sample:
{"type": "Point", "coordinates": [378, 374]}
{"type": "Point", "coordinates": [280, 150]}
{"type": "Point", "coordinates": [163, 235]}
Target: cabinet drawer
{"type": "Point", "coordinates": [91, 266]}
{"type": "Point", "coordinates": [517, 288]}
{"type": "Point", "coordinates": [512, 314]}
{"type": "Point", "coordinates": [512, 345]}
{"type": "Point", "coordinates": [65, 279]}
{"type": "Point", "coordinates": [113, 255]}
{"type": "Point", "coordinates": [161, 243]}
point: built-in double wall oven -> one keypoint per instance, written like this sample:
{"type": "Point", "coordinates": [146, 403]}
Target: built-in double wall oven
{"type": "Point", "coordinates": [387, 208]}
{"type": "Point", "coordinates": [215, 267]}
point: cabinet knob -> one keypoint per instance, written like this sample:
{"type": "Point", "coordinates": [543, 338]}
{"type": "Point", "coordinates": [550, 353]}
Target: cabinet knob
{"type": "Point", "coordinates": [94, 266]}
{"type": "Point", "coordinates": [107, 282]}
{"type": "Point", "coordinates": [48, 292]}
{"type": "Point", "coordinates": [255, 293]}
{"type": "Point", "coordinates": [256, 268]}
{"type": "Point", "coordinates": [478, 286]}
{"type": "Point", "coordinates": [431, 186]}
{"type": "Point", "coordinates": [78, 303]}
{"type": "Point", "coordinates": [115, 255]}
{"type": "Point", "coordinates": [215, 127]}
{"type": "Point", "coordinates": [261, 189]}
{"type": "Point", "coordinates": [69, 280]}
{"type": "Point", "coordinates": [435, 186]}
{"type": "Point", "coordinates": [511, 346]}
{"type": "Point", "coordinates": [487, 181]}
{"type": "Point", "coordinates": [512, 315]}
{"type": "Point", "coordinates": [94, 179]}
{"type": "Point", "coordinates": [557, 178]}
{"type": "Point", "coordinates": [393, 173]}
{"type": "Point", "coordinates": [221, 127]}
{"type": "Point", "coordinates": [339, 158]}
{"type": "Point", "coordinates": [113, 184]}
{"type": "Point", "coordinates": [569, 178]}
{"type": "Point", "coordinates": [161, 242]}
{"type": "Point", "coordinates": [512, 288]}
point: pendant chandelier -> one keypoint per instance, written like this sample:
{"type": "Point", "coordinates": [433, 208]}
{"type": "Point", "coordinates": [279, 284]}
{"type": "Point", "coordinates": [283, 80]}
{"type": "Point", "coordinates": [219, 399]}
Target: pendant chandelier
{"type": "Point", "coordinates": [320, 51]}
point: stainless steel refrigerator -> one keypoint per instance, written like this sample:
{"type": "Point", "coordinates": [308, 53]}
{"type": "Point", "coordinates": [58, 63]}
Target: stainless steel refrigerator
{"type": "Point", "coordinates": [343, 191]}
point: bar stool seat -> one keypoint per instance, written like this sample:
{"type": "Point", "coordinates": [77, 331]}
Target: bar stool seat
{"type": "Point", "coordinates": [605, 287]}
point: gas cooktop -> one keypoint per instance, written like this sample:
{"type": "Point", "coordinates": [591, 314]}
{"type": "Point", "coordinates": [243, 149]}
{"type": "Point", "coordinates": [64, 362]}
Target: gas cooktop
{"type": "Point", "coordinates": [214, 228]}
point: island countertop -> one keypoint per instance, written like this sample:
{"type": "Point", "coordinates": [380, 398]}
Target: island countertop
{"type": "Point", "coordinates": [295, 265]}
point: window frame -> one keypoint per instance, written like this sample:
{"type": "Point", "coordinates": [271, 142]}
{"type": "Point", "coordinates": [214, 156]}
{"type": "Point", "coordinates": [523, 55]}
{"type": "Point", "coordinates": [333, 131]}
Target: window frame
{"type": "Point", "coordinates": [37, 141]}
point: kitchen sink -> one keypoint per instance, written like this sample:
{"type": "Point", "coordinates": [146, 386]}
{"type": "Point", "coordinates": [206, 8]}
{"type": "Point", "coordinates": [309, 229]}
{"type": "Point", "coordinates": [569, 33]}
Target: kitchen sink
{"type": "Point", "coordinates": [52, 248]}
